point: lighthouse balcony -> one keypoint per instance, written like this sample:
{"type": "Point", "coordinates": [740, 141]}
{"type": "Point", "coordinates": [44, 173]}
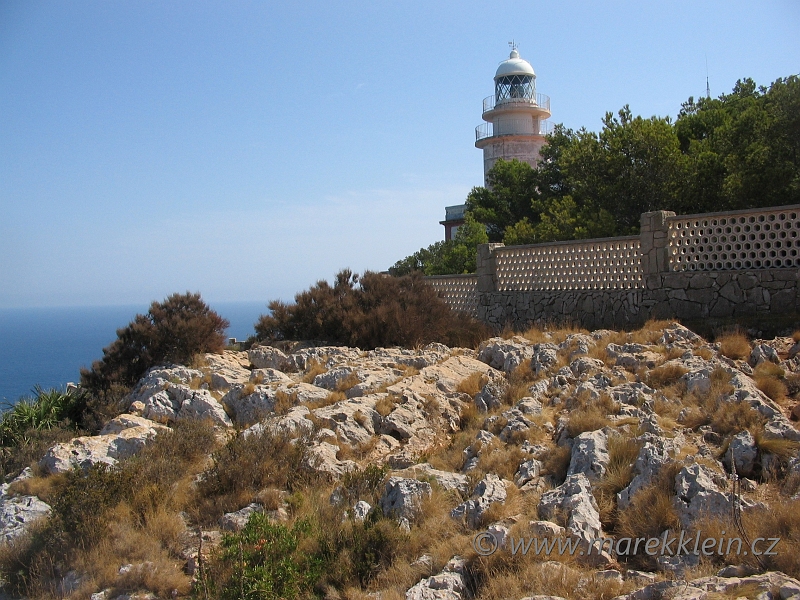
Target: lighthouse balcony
{"type": "Point", "coordinates": [512, 127]}
{"type": "Point", "coordinates": [512, 100]}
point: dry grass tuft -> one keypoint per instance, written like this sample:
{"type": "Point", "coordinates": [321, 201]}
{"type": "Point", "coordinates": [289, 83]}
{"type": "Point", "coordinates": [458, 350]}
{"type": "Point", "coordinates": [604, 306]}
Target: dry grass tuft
{"type": "Point", "coordinates": [665, 375]}
{"type": "Point", "coordinates": [313, 369]}
{"type": "Point", "coordinates": [473, 384]}
{"type": "Point", "coordinates": [555, 462]}
{"type": "Point", "coordinates": [500, 459]}
{"type": "Point", "coordinates": [385, 405]}
{"type": "Point", "coordinates": [587, 418]}
{"type": "Point", "coordinates": [650, 511]}
{"type": "Point", "coordinates": [734, 345]}
{"type": "Point", "coordinates": [622, 451]}
{"type": "Point", "coordinates": [348, 382]}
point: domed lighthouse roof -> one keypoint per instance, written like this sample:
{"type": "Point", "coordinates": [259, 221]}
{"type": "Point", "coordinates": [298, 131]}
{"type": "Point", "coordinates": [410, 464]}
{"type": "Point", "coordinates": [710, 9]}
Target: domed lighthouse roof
{"type": "Point", "coordinates": [514, 66]}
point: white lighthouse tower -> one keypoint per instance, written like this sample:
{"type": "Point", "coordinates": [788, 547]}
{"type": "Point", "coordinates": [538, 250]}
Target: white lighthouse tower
{"type": "Point", "coordinates": [516, 116]}
{"type": "Point", "coordinates": [516, 123]}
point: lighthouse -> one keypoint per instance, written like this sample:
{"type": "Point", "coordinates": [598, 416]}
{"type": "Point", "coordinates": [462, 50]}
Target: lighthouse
{"type": "Point", "coordinates": [516, 115]}
{"type": "Point", "coordinates": [515, 128]}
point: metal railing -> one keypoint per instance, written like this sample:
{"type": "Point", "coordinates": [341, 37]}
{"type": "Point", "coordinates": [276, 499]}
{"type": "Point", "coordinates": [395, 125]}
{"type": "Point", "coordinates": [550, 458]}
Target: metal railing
{"type": "Point", "coordinates": [541, 101]}
{"type": "Point", "coordinates": [512, 127]}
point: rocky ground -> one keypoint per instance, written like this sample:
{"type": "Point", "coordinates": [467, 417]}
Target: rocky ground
{"type": "Point", "coordinates": [561, 435]}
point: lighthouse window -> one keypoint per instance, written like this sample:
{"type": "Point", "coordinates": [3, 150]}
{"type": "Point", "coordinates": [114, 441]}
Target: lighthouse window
{"type": "Point", "coordinates": [515, 87]}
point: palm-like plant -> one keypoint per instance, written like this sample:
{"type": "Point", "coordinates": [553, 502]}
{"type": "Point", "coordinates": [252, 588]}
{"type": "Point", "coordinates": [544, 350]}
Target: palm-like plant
{"type": "Point", "coordinates": [44, 410]}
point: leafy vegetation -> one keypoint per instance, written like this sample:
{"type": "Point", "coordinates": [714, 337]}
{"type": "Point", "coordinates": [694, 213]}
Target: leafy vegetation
{"type": "Point", "coordinates": [369, 311]}
{"type": "Point", "coordinates": [172, 331]}
{"type": "Point", "coordinates": [738, 151]}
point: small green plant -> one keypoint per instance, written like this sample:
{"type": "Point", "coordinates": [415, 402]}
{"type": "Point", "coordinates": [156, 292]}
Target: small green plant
{"type": "Point", "coordinates": [263, 562]}
{"type": "Point", "coordinates": [45, 410]}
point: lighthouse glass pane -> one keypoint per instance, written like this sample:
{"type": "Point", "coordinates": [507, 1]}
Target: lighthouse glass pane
{"type": "Point", "coordinates": [515, 87]}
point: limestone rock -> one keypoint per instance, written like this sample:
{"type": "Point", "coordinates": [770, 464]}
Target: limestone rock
{"type": "Point", "coordinates": [201, 405]}
{"type": "Point", "coordinates": [654, 453]}
{"type": "Point", "coordinates": [259, 376]}
{"type": "Point", "coordinates": [322, 458]}
{"type": "Point", "coordinates": [361, 510]}
{"type": "Point", "coordinates": [226, 369]}
{"type": "Point", "coordinates": [763, 353]}
{"type": "Point", "coordinates": [505, 355]}
{"type": "Point", "coordinates": [574, 498]}
{"type": "Point", "coordinates": [403, 497]}
{"type": "Point", "coordinates": [17, 513]}
{"type": "Point", "coordinates": [527, 471]}
{"type": "Point", "coordinates": [450, 584]}
{"type": "Point", "coordinates": [491, 396]}
{"type": "Point", "coordinates": [445, 479]}
{"type": "Point", "coordinates": [236, 521]}
{"type": "Point", "coordinates": [489, 490]}
{"type": "Point", "coordinates": [696, 494]}
{"type": "Point", "coordinates": [544, 356]}
{"type": "Point", "coordinates": [267, 357]}
{"type": "Point", "coordinates": [85, 451]}
{"type": "Point", "coordinates": [742, 452]}
{"type": "Point", "coordinates": [589, 455]}
{"type": "Point", "coordinates": [354, 421]}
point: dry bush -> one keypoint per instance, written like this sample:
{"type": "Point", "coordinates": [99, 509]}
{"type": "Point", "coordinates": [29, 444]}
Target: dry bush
{"type": "Point", "coordinates": [348, 382]}
{"type": "Point", "coordinates": [283, 402]}
{"type": "Point", "coordinates": [555, 462]}
{"type": "Point", "coordinates": [665, 375]}
{"type": "Point", "coordinates": [770, 379]}
{"type": "Point", "coordinates": [451, 457]}
{"type": "Point", "coordinates": [650, 512]}
{"type": "Point", "coordinates": [384, 406]}
{"type": "Point", "coordinates": [504, 576]}
{"type": "Point", "coordinates": [731, 418]}
{"type": "Point", "coordinates": [470, 417]}
{"type": "Point", "coordinates": [370, 311]}
{"type": "Point", "coordinates": [535, 335]}
{"type": "Point", "coordinates": [519, 382]}
{"type": "Point", "coordinates": [774, 388]}
{"type": "Point", "coordinates": [622, 453]}
{"type": "Point", "coordinates": [473, 384]}
{"type": "Point", "coordinates": [516, 503]}
{"type": "Point", "coordinates": [705, 353]}
{"type": "Point", "coordinates": [313, 369]}
{"type": "Point", "coordinates": [245, 466]}
{"type": "Point", "coordinates": [780, 520]}
{"type": "Point", "coordinates": [650, 332]}
{"type": "Point", "coordinates": [587, 418]}
{"type": "Point", "coordinates": [734, 344]}
{"type": "Point", "coordinates": [781, 448]}
{"type": "Point", "coordinates": [500, 459]}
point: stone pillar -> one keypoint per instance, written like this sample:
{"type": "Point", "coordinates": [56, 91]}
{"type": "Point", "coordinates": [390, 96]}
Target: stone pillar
{"type": "Point", "coordinates": [487, 268]}
{"type": "Point", "coordinates": [654, 249]}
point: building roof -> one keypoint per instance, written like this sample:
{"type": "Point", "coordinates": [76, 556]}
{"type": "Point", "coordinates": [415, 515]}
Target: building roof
{"type": "Point", "coordinates": [514, 66]}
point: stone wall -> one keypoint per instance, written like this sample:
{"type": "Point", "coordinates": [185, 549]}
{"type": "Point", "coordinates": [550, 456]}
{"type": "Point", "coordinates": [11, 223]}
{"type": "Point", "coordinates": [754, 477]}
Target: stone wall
{"type": "Point", "coordinates": [687, 267]}
{"type": "Point", "coordinates": [459, 291]}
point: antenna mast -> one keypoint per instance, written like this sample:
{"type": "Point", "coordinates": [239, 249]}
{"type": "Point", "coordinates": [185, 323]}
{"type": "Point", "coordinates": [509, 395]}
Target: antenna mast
{"type": "Point", "coordinates": [708, 88]}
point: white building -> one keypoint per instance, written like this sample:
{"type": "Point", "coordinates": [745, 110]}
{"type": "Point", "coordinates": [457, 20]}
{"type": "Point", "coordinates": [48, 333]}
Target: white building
{"type": "Point", "coordinates": [516, 124]}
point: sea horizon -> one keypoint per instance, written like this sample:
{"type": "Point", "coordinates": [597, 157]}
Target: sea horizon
{"type": "Point", "coordinates": [47, 346]}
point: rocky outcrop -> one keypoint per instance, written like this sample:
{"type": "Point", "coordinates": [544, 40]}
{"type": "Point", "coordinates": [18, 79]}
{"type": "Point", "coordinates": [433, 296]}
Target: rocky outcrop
{"type": "Point", "coordinates": [490, 489]}
{"type": "Point", "coordinates": [575, 500]}
{"type": "Point", "coordinates": [402, 498]}
{"type": "Point", "coordinates": [125, 436]}
{"type": "Point", "coordinates": [450, 584]}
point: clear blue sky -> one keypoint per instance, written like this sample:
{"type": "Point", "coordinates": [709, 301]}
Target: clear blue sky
{"type": "Point", "coordinates": [248, 149]}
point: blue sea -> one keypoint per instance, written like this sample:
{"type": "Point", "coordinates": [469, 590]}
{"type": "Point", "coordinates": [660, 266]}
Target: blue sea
{"type": "Point", "coordinates": [48, 346]}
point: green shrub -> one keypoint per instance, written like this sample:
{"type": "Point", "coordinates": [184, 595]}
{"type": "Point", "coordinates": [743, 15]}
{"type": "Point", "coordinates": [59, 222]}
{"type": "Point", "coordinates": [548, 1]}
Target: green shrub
{"type": "Point", "coordinates": [45, 410]}
{"type": "Point", "coordinates": [262, 562]}
{"type": "Point", "coordinates": [370, 311]}
{"type": "Point", "coordinates": [172, 331]}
